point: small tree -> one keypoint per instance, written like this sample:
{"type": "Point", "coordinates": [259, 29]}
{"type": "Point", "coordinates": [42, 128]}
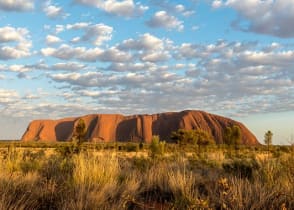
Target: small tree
{"type": "Point", "coordinates": [228, 136]}
{"type": "Point", "coordinates": [192, 137]}
{"type": "Point", "coordinates": [232, 135]}
{"type": "Point", "coordinates": [268, 136]}
{"type": "Point", "coordinates": [156, 147]}
{"type": "Point", "coordinates": [184, 137]}
{"type": "Point", "coordinates": [80, 131]}
{"type": "Point", "coordinates": [203, 138]}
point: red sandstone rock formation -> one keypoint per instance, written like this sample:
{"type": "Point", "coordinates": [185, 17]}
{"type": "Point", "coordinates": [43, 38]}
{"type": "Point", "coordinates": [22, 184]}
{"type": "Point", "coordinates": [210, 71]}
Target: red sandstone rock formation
{"type": "Point", "coordinates": [114, 127]}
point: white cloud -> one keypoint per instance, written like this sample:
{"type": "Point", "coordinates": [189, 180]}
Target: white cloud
{"type": "Point", "coordinates": [156, 56]}
{"type": "Point", "coordinates": [145, 42]}
{"type": "Point", "coordinates": [181, 9]}
{"type": "Point", "coordinates": [130, 67]}
{"type": "Point", "coordinates": [96, 34]}
{"type": "Point", "coordinates": [51, 39]}
{"type": "Point", "coordinates": [16, 5]}
{"type": "Point", "coordinates": [149, 48]}
{"type": "Point", "coordinates": [217, 4]}
{"type": "Point", "coordinates": [69, 66]}
{"type": "Point", "coordinates": [10, 34]}
{"type": "Point", "coordinates": [53, 11]}
{"type": "Point", "coordinates": [59, 29]}
{"type": "Point", "coordinates": [77, 26]}
{"type": "Point", "coordinates": [66, 52]}
{"type": "Point", "coordinates": [10, 50]}
{"type": "Point", "coordinates": [264, 17]}
{"type": "Point", "coordinates": [164, 20]}
{"type": "Point", "coordinates": [19, 68]}
{"type": "Point", "coordinates": [7, 96]}
{"type": "Point", "coordinates": [125, 8]}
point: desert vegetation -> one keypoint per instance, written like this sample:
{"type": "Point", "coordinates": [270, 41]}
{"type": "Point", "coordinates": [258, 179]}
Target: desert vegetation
{"type": "Point", "coordinates": [140, 176]}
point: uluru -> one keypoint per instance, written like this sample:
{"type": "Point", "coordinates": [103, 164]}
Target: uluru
{"type": "Point", "coordinates": [136, 128]}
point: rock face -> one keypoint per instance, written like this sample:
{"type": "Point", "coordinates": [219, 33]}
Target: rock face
{"type": "Point", "coordinates": [137, 128]}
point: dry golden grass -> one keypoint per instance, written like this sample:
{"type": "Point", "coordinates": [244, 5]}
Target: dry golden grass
{"type": "Point", "coordinates": [110, 179]}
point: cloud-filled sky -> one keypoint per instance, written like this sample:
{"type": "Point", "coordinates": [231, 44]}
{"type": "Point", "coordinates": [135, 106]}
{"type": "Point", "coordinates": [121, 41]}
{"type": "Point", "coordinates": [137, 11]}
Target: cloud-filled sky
{"type": "Point", "coordinates": [69, 58]}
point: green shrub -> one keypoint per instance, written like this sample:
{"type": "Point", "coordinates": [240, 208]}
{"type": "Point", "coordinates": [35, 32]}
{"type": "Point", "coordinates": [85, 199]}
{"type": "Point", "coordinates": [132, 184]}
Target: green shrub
{"type": "Point", "coordinates": [57, 169]}
{"type": "Point", "coordinates": [156, 147]}
{"type": "Point", "coordinates": [68, 149]}
{"type": "Point", "coordinates": [141, 146]}
{"type": "Point", "coordinates": [241, 168]}
{"type": "Point", "coordinates": [142, 164]}
{"type": "Point", "coordinates": [132, 147]}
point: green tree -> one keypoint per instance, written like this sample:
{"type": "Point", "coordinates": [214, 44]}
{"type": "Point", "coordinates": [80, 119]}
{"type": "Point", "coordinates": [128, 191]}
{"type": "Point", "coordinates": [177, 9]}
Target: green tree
{"type": "Point", "coordinates": [80, 131]}
{"type": "Point", "coordinates": [193, 137]}
{"type": "Point", "coordinates": [184, 137]}
{"type": "Point", "coordinates": [203, 138]}
{"type": "Point", "coordinates": [268, 136]}
{"type": "Point", "coordinates": [156, 147]}
{"type": "Point", "coordinates": [232, 135]}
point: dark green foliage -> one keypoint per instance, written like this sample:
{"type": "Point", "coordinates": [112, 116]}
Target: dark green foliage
{"type": "Point", "coordinates": [31, 161]}
{"type": "Point", "coordinates": [232, 135]}
{"type": "Point", "coordinates": [241, 168]}
{"type": "Point", "coordinates": [132, 147]}
{"type": "Point", "coordinates": [67, 150]}
{"type": "Point", "coordinates": [141, 163]}
{"type": "Point", "coordinates": [203, 138]}
{"type": "Point", "coordinates": [184, 137]}
{"type": "Point", "coordinates": [268, 138]}
{"type": "Point", "coordinates": [192, 137]}
{"type": "Point", "coordinates": [56, 166]}
{"type": "Point", "coordinates": [141, 146]}
{"type": "Point", "coordinates": [80, 131]}
{"type": "Point", "coordinates": [156, 147]}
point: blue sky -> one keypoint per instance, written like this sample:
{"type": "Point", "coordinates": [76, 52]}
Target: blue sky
{"type": "Point", "coordinates": [69, 58]}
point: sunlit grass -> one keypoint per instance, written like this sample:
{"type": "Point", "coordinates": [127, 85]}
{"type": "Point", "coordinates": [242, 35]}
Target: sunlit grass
{"type": "Point", "coordinates": [107, 177]}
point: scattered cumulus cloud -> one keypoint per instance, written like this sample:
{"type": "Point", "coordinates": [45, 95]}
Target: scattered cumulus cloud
{"type": "Point", "coordinates": [16, 5]}
{"type": "Point", "coordinates": [8, 37]}
{"type": "Point", "coordinates": [164, 20]}
{"type": "Point", "coordinates": [217, 4]}
{"type": "Point", "coordinates": [144, 42]}
{"type": "Point", "coordinates": [8, 96]}
{"type": "Point", "coordinates": [263, 17]}
{"type": "Point", "coordinates": [66, 52]}
{"type": "Point", "coordinates": [51, 39]}
{"type": "Point", "coordinates": [10, 34]}
{"type": "Point", "coordinates": [124, 8]}
{"type": "Point", "coordinates": [96, 34]}
{"type": "Point", "coordinates": [100, 65]}
{"type": "Point", "coordinates": [69, 66]}
{"type": "Point", "coordinates": [228, 75]}
{"type": "Point", "coordinates": [53, 11]}
{"type": "Point", "coordinates": [182, 10]}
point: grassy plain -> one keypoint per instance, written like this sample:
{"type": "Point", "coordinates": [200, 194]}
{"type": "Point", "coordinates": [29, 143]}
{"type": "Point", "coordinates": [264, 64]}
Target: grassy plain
{"type": "Point", "coordinates": [131, 176]}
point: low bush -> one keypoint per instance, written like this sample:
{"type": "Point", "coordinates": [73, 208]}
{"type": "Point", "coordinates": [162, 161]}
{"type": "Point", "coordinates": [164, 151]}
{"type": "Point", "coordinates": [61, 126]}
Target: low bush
{"type": "Point", "coordinates": [156, 147]}
{"type": "Point", "coordinates": [132, 147]}
{"type": "Point", "coordinates": [241, 168]}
